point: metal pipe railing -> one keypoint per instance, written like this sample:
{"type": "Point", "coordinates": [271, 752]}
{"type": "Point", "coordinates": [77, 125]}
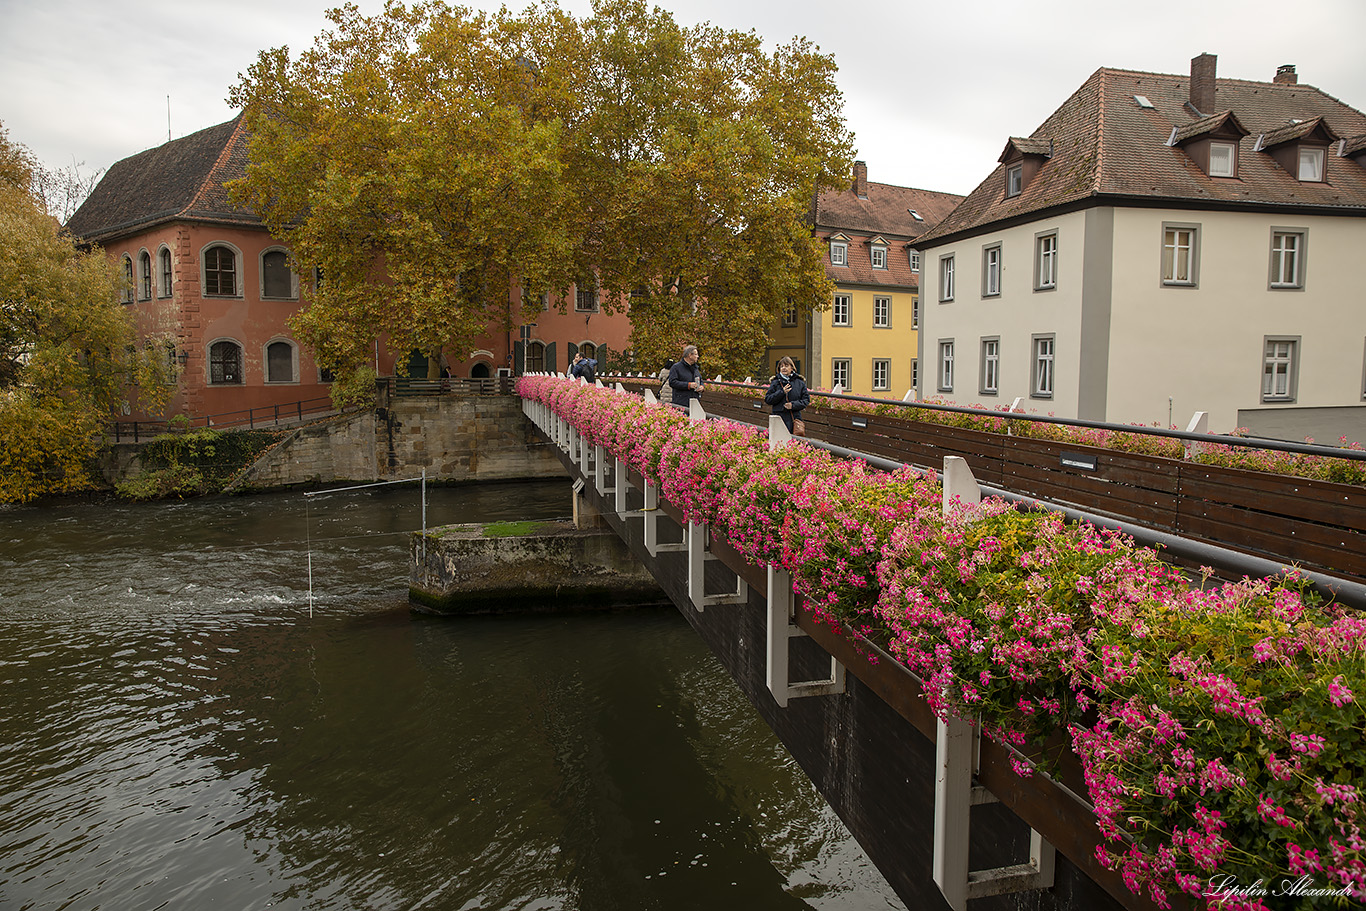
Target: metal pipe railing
{"type": "Point", "coordinates": [1332, 452]}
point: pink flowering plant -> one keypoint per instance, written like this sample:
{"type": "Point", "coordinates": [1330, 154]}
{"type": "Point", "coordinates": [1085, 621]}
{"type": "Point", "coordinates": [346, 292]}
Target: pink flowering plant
{"type": "Point", "coordinates": [1219, 728]}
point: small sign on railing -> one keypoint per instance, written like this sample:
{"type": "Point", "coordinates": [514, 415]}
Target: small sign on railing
{"type": "Point", "coordinates": [1077, 460]}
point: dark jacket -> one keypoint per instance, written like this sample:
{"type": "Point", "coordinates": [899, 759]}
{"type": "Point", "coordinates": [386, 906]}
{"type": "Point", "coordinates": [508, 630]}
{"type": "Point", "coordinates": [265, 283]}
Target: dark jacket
{"type": "Point", "coordinates": [799, 396]}
{"type": "Point", "coordinates": [585, 368]}
{"type": "Point", "coordinates": [680, 375]}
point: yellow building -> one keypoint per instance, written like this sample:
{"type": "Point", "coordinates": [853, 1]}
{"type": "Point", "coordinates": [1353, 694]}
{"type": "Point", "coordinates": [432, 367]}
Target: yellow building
{"type": "Point", "coordinates": [866, 341]}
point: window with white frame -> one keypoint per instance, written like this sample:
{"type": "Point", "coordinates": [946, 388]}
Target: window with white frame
{"type": "Point", "coordinates": [946, 278]}
{"type": "Point", "coordinates": [915, 375]}
{"type": "Point", "coordinates": [1179, 255]}
{"type": "Point", "coordinates": [279, 362]}
{"type": "Point", "coordinates": [1014, 180]}
{"type": "Point", "coordinates": [915, 261]}
{"type": "Point", "coordinates": [1311, 164]}
{"type": "Point", "coordinates": [879, 256]}
{"type": "Point", "coordinates": [882, 312]}
{"type": "Point", "coordinates": [839, 373]}
{"type": "Point", "coordinates": [991, 366]}
{"type": "Point", "coordinates": [915, 311]}
{"type": "Point", "coordinates": [1287, 258]}
{"type": "Point", "coordinates": [165, 257]}
{"type": "Point", "coordinates": [882, 373]}
{"type": "Point", "coordinates": [225, 363]}
{"type": "Point", "coordinates": [220, 271]}
{"type": "Point", "coordinates": [1042, 386]}
{"type": "Point", "coordinates": [946, 365]}
{"type": "Point", "coordinates": [144, 276]}
{"type": "Point", "coordinates": [1046, 262]}
{"type": "Point", "coordinates": [126, 292]}
{"type": "Point", "coordinates": [790, 315]}
{"type": "Point", "coordinates": [277, 279]}
{"type": "Point", "coordinates": [1223, 157]}
{"type": "Point", "coordinates": [843, 311]}
{"type": "Point", "coordinates": [991, 271]}
{"type": "Point", "coordinates": [839, 253]}
{"type": "Point", "coordinates": [585, 299]}
{"type": "Point", "coordinates": [1280, 369]}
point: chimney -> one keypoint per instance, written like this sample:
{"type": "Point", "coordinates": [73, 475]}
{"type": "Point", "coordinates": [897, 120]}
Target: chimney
{"type": "Point", "coordinates": [1202, 83]}
{"type": "Point", "coordinates": [861, 179]}
{"type": "Point", "coordinates": [1285, 75]}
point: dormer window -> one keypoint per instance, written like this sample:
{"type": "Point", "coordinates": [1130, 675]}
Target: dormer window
{"type": "Point", "coordinates": [1300, 147]}
{"type": "Point", "coordinates": [1014, 180]}
{"type": "Point", "coordinates": [877, 252]}
{"type": "Point", "coordinates": [1311, 164]}
{"type": "Point", "coordinates": [839, 250]}
{"type": "Point", "coordinates": [1211, 143]}
{"type": "Point", "coordinates": [1023, 158]}
{"type": "Point", "coordinates": [1223, 157]}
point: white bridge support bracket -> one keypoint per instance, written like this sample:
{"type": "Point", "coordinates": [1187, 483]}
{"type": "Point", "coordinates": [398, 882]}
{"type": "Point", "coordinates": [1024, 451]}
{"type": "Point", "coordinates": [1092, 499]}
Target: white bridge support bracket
{"type": "Point", "coordinates": [600, 473]}
{"type": "Point", "coordinates": [698, 558]}
{"type": "Point", "coordinates": [622, 488]}
{"type": "Point", "coordinates": [956, 749]}
{"type": "Point", "coordinates": [781, 632]}
{"type": "Point", "coordinates": [651, 512]}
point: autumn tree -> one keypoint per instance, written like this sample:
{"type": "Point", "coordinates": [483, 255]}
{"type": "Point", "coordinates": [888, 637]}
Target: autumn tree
{"type": "Point", "coordinates": [431, 160]}
{"type": "Point", "coordinates": [67, 348]}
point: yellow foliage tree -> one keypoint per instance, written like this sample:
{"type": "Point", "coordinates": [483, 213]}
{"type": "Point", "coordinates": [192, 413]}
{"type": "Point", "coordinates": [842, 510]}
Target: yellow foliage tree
{"type": "Point", "coordinates": [67, 352]}
{"type": "Point", "coordinates": [429, 160]}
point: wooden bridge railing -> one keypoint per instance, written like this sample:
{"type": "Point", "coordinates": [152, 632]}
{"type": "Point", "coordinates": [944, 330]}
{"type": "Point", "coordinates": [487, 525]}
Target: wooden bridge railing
{"type": "Point", "coordinates": [1318, 525]}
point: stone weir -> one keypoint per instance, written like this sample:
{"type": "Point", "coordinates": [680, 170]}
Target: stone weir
{"type": "Point", "coordinates": [526, 566]}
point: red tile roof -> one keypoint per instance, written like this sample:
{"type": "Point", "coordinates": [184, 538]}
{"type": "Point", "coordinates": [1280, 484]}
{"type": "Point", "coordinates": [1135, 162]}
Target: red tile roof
{"type": "Point", "coordinates": [180, 180]}
{"type": "Point", "coordinates": [886, 213]}
{"type": "Point", "coordinates": [1108, 149]}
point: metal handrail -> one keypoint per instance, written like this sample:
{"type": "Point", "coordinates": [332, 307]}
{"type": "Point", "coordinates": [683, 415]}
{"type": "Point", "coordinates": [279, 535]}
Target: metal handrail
{"type": "Point", "coordinates": [1333, 452]}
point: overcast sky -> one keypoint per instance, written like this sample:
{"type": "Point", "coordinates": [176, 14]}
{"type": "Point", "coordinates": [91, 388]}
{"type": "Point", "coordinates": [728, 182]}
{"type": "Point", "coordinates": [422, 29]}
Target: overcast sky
{"type": "Point", "coordinates": [931, 90]}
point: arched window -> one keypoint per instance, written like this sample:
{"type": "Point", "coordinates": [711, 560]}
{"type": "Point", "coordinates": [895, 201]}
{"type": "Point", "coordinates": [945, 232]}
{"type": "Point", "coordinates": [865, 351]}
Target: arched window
{"type": "Point", "coordinates": [276, 278]}
{"type": "Point", "coordinates": [165, 257]}
{"type": "Point", "coordinates": [535, 357]}
{"type": "Point", "coordinates": [225, 364]}
{"type": "Point", "coordinates": [145, 276]}
{"type": "Point", "coordinates": [279, 362]}
{"type": "Point", "coordinates": [126, 292]}
{"type": "Point", "coordinates": [588, 350]}
{"type": "Point", "coordinates": [480, 371]}
{"type": "Point", "coordinates": [220, 271]}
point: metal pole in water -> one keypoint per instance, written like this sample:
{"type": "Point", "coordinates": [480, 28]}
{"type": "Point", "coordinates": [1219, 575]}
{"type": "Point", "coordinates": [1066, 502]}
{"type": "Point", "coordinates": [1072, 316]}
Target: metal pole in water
{"type": "Point", "coordinates": [424, 519]}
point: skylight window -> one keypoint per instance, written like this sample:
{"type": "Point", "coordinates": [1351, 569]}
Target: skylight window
{"type": "Point", "coordinates": [915, 214]}
{"type": "Point", "coordinates": [1143, 101]}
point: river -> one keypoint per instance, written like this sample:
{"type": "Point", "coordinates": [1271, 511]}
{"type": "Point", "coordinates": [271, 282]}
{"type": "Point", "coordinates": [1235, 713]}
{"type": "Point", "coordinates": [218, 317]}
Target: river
{"type": "Point", "coordinates": [184, 724]}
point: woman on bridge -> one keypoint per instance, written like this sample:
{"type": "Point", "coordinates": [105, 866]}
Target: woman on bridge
{"type": "Point", "coordinates": [787, 393]}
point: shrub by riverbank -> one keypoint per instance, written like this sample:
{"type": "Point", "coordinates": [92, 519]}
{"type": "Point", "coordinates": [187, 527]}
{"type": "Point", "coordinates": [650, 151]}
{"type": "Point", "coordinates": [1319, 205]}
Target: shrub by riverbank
{"type": "Point", "coordinates": [178, 465]}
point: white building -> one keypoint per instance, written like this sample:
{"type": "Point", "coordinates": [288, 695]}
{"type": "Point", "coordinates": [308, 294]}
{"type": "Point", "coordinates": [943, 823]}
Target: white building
{"type": "Point", "coordinates": [1163, 245]}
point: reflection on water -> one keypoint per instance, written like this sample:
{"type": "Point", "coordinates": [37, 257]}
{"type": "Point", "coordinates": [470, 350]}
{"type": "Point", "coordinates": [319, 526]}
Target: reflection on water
{"type": "Point", "coordinates": [176, 731]}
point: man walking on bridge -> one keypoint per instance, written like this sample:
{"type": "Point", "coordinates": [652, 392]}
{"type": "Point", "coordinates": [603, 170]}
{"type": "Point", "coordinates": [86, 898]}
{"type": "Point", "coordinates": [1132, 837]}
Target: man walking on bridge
{"type": "Point", "coordinates": [685, 378]}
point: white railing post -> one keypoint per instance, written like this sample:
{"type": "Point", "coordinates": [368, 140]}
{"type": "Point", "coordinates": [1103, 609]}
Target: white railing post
{"type": "Point", "coordinates": [778, 434]}
{"type": "Point", "coordinates": [956, 750]}
{"type": "Point", "coordinates": [1199, 423]}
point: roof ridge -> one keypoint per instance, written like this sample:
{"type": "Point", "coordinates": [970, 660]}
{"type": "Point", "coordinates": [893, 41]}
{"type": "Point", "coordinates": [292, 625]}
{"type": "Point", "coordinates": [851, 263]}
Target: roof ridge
{"type": "Point", "coordinates": [1099, 140]}
{"type": "Point", "coordinates": [222, 156]}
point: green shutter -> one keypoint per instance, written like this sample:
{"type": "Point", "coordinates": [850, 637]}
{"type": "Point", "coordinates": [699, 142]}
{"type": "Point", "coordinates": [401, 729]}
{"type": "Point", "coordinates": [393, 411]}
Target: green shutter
{"type": "Point", "coordinates": [603, 353]}
{"type": "Point", "coordinates": [518, 358]}
{"type": "Point", "coordinates": [550, 357]}
{"type": "Point", "coordinates": [573, 350]}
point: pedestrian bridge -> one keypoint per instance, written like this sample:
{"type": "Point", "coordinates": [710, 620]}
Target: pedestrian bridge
{"type": "Point", "coordinates": [806, 573]}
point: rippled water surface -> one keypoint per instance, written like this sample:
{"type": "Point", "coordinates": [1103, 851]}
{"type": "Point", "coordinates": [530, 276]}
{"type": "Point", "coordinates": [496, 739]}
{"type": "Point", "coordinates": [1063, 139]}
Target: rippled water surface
{"type": "Point", "coordinates": [183, 726]}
